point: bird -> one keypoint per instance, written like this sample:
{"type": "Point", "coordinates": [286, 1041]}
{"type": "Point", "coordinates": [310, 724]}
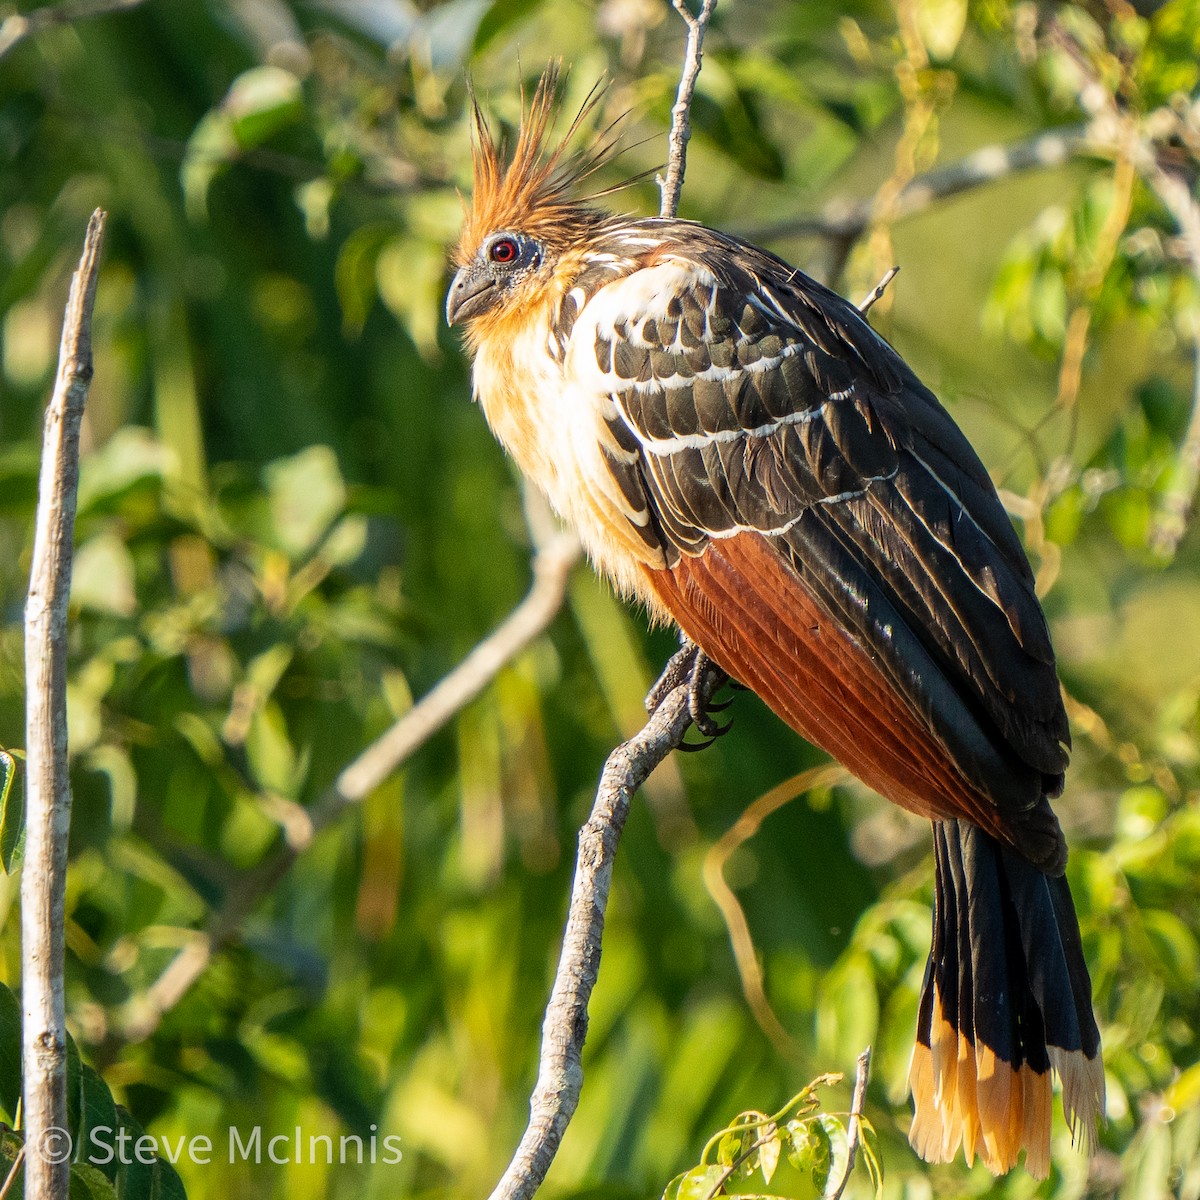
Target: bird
{"type": "Point", "coordinates": [740, 451]}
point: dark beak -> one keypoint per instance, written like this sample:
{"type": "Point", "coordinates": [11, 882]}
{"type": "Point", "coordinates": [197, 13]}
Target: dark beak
{"type": "Point", "coordinates": [472, 292]}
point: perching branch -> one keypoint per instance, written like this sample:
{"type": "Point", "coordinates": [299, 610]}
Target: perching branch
{"type": "Point", "coordinates": [47, 786]}
{"type": "Point", "coordinates": [854, 1125]}
{"type": "Point", "coordinates": [681, 125]}
{"type": "Point", "coordinates": [560, 1069]}
{"type": "Point", "coordinates": [17, 27]}
{"type": "Point", "coordinates": [551, 571]}
{"type": "Point", "coordinates": [564, 1028]}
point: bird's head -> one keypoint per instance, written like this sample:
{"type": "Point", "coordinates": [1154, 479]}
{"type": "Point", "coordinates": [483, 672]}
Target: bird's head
{"type": "Point", "coordinates": [523, 214]}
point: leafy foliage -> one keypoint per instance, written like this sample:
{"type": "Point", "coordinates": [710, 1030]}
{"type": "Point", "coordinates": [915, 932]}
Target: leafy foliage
{"type": "Point", "coordinates": [292, 522]}
{"type": "Point", "coordinates": [112, 1156]}
{"type": "Point", "coordinates": [798, 1152]}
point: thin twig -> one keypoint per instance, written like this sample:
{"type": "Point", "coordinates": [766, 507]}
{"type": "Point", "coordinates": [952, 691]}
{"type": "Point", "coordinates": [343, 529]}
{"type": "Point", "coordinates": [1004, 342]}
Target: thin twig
{"type": "Point", "coordinates": [741, 831]}
{"type": "Point", "coordinates": [47, 785]}
{"type": "Point", "coordinates": [551, 571]}
{"type": "Point", "coordinates": [10, 1179]}
{"type": "Point", "coordinates": [878, 290]}
{"type": "Point", "coordinates": [17, 27]}
{"type": "Point", "coordinates": [854, 1124]}
{"type": "Point", "coordinates": [560, 1069]}
{"type": "Point", "coordinates": [772, 1131]}
{"type": "Point", "coordinates": [681, 125]}
{"type": "Point", "coordinates": [847, 221]}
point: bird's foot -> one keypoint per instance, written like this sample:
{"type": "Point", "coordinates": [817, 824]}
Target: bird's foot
{"type": "Point", "coordinates": [690, 667]}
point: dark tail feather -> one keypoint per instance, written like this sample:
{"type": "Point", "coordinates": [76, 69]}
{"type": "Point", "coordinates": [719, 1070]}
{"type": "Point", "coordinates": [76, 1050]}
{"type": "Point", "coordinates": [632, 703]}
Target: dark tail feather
{"type": "Point", "coordinates": [1006, 998]}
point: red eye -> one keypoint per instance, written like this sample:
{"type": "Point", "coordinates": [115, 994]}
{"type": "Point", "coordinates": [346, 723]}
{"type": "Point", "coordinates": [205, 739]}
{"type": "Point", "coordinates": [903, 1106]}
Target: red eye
{"type": "Point", "coordinates": [503, 250]}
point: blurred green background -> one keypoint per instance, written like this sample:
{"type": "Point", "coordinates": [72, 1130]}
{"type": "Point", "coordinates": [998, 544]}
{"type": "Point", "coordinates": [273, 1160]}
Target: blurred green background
{"type": "Point", "coordinates": [293, 521]}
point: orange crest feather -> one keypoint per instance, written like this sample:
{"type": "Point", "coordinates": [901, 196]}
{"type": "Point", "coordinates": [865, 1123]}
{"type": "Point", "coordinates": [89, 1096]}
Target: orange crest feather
{"type": "Point", "coordinates": [534, 191]}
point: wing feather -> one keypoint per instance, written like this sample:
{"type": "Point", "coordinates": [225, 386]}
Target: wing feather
{"type": "Point", "coordinates": [761, 403]}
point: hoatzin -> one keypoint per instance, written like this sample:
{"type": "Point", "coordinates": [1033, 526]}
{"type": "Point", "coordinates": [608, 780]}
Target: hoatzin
{"type": "Point", "coordinates": [738, 449]}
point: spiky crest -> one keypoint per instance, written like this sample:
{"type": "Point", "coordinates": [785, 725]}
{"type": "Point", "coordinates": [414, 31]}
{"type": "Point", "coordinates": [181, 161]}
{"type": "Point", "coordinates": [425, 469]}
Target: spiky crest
{"type": "Point", "coordinates": [534, 192]}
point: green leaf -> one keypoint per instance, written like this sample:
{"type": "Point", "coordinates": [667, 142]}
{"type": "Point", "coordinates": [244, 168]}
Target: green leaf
{"type": "Point", "coordinates": [135, 1179]}
{"type": "Point", "coordinates": [12, 813]}
{"type": "Point", "coordinates": [10, 1051]}
{"type": "Point", "coordinates": [822, 1154]}
{"type": "Point", "coordinates": [1174, 943]}
{"type": "Point", "coordinates": [696, 1184]}
{"type": "Point", "coordinates": [88, 1183]}
{"type": "Point", "coordinates": [354, 274]}
{"type": "Point", "coordinates": [833, 1153]}
{"type": "Point", "coordinates": [874, 1164]}
{"type": "Point", "coordinates": [499, 17]}
{"type": "Point", "coordinates": [10, 1147]}
{"type": "Point", "coordinates": [102, 578]}
{"type": "Point", "coordinates": [100, 1114]}
{"type": "Point", "coordinates": [131, 459]}
{"type": "Point", "coordinates": [261, 102]}
{"type": "Point", "coordinates": [307, 493]}
{"type": "Point", "coordinates": [730, 1147]}
{"type": "Point", "coordinates": [167, 1184]}
{"type": "Point", "coordinates": [799, 1144]}
{"type": "Point", "coordinates": [768, 1157]}
{"type": "Point", "coordinates": [74, 1091]}
{"type": "Point", "coordinates": [941, 24]}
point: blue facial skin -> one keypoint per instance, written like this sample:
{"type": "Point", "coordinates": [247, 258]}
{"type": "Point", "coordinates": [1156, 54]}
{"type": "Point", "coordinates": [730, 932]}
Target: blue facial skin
{"type": "Point", "coordinates": [504, 259]}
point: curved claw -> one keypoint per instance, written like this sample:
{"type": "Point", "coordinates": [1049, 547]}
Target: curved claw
{"type": "Point", "coordinates": [712, 729]}
{"type": "Point", "coordinates": [690, 667]}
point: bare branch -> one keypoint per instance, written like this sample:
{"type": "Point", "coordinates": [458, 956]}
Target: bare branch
{"type": "Point", "coordinates": [551, 568]}
{"type": "Point", "coordinates": [17, 27]}
{"type": "Point", "coordinates": [681, 125]}
{"type": "Point", "coordinates": [842, 220]}
{"type": "Point", "coordinates": [878, 290]}
{"type": "Point", "coordinates": [742, 830]}
{"type": "Point", "coordinates": [551, 571]}
{"type": "Point", "coordinates": [564, 1029]}
{"type": "Point", "coordinates": [854, 1125]}
{"type": "Point", "coordinates": [47, 787]}
{"type": "Point", "coordinates": [560, 1070]}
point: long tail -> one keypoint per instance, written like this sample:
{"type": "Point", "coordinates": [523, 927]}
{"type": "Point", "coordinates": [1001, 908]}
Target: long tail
{"type": "Point", "coordinates": [1006, 997]}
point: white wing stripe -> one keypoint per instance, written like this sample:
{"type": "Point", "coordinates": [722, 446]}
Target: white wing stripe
{"type": "Point", "coordinates": [664, 447]}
